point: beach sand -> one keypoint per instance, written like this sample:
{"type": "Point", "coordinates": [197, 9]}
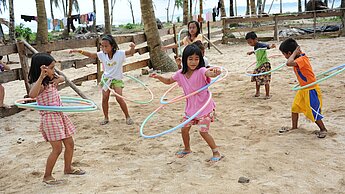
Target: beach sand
{"type": "Point", "coordinates": [118, 160]}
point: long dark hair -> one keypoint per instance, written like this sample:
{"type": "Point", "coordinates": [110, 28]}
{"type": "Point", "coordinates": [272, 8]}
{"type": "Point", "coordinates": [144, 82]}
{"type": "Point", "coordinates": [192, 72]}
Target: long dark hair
{"type": "Point", "coordinates": [37, 61]}
{"type": "Point", "coordinates": [112, 42]}
{"type": "Point", "coordinates": [188, 51]}
{"type": "Point", "coordinates": [197, 26]}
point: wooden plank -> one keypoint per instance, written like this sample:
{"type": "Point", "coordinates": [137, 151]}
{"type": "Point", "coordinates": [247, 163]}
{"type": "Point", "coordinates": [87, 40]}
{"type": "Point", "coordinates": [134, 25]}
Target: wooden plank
{"type": "Point", "coordinates": [83, 62]}
{"type": "Point", "coordinates": [243, 20]}
{"type": "Point", "coordinates": [11, 75]}
{"type": "Point", "coordinates": [5, 112]}
{"type": "Point", "coordinates": [139, 38]}
{"type": "Point", "coordinates": [247, 29]}
{"type": "Point", "coordinates": [65, 44]}
{"type": "Point", "coordinates": [136, 65]}
{"type": "Point", "coordinates": [121, 38]}
{"type": "Point", "coordinates": [65, 64]}
{"type": "Point", "coordinates": [8, 49]}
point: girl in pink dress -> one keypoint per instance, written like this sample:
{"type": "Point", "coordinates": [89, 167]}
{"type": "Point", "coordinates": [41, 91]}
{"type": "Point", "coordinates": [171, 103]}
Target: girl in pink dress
{"type": "Point", "coordinates": [192, 77]}
{"type": "Point", "coordinates": [56, 128]}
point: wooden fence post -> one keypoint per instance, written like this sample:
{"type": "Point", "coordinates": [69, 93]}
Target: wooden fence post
{"type": "Point", "coordinates": [276, 33]}
{"type": "Point", "coordinates": [24, 64]}
{"type": "Point", "coordinates": [99, 72]}
{"type": "Point", "coordinates": [314, 25]}
{"type": "Point", "coordinates": [342, 32]}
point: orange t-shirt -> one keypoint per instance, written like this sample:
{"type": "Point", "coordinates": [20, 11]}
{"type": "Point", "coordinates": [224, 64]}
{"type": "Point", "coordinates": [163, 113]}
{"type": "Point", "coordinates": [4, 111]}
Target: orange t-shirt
{"type": "Point", "coordinates": [304, 71]}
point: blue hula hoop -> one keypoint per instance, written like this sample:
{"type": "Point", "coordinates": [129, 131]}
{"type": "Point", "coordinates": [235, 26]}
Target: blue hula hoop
{"type": "Point", "coordinates": [174, 128]}
{"type": "Point", "coordinates": [340, 67]}
{"type": "Point", "coordinates": [89, 105]}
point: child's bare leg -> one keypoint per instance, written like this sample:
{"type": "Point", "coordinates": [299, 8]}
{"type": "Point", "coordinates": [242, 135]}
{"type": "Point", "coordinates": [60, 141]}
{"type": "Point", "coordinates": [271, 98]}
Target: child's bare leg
{"type": "Point", "coordinates": [186, 140]}
{"type": "Point", "coordinates": [257, 86]}
{"type": "Point", "coordinates": [122, 103]}
{"type": "Point", "coordinates": [2, 95]}
{"type": "Point", "coordinates": [323, 130]}
{"type": "Point", "coordinates": [210, 141]}
{"type": "Point", "coordinates": [69, 149]}
{"type": "Point", "coordinates": [53, 156]}
{"type": "Point", "coordinates": [294, 119]}
{"type": "Point", "coordinates": [105, 105]}
{"type": "Point", "coordinates": [267, 89]}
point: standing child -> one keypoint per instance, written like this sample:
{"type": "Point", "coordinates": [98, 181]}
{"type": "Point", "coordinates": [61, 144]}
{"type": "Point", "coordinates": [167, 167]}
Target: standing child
{"type": "Point", "coordinates": [194, 34]}
{"type": "Point", "coordinates": [3, 67]}
{"type": "Point", "coordinates": [307, 101]}
{"type": "Point", "coordinates": [112, 59]}
{"type": "Point", "coordinates": [191, 77]}
{"type": "Point", "coordinates": [55, 127]}
{"type": "Point", "coordinates": [262, 63]}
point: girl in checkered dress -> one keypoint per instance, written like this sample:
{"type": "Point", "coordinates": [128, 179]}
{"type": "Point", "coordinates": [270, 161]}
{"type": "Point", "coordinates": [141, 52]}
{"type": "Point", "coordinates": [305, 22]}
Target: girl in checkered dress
{"type": "Point", "coordinates": [56, 128]}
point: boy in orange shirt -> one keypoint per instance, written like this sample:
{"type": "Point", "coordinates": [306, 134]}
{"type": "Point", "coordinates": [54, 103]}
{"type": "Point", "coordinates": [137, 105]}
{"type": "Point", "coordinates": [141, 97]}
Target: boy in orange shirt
{"type": "Point", "coordinates": [307, 101]}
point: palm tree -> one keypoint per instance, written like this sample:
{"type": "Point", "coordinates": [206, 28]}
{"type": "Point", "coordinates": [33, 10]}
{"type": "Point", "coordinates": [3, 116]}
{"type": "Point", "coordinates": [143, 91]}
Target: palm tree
{"type": "Point", "coordinates": [190, 10]}
{"type": "Point", "coordinates": [342, 5]}
{"type": "Point", "coordinates": [94, 18]}
{"type": "Point", "coordinates": [159, 59]}
{"type": "Point", "coordinates": [107, 29]}
{"type": "Point", "coordinates": [112, 5]}
{"type": "Point", "coordinates": [222, 9]}
{"type": "Point", "coordinates": [12, 24]}
{"type": "Point", "coordinates": [185, 12]}
{"type": "Point", "coordinates": [56, 2]}
{"type": "Point", "coordinates": [42, 27]}
{"type": "Point", "coordinates": [131, 7]}
{"type": "Point", "coordinates": [299, 4]}
{"type": "Point", "coordinates": [201, 9]}
{"type": "Point", "coordinates": [168, 11]}
{"type": "Point", "coordinates": [252, 7]}
{"type": "Point", "coordinates": [247, 7]}
{"type": "Point", "coordinates": [178, 4]}
{"type": "Point", "coordinates": [232, 8]}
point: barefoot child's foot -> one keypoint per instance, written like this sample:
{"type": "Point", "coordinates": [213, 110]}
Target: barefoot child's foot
{"type": "Point", "coordinates": [256, 95]}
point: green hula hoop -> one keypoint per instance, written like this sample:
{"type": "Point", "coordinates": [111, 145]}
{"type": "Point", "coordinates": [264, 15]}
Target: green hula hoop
{"type": "Point", "coordinates": [179, 40]}
{"type": "Point", "coordinates": [340, 69]}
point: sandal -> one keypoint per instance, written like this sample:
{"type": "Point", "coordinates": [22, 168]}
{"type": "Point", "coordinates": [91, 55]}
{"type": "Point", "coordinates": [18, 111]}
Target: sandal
{"type": "Point", "coordinates": [129, 121]}
{"type": "Point", "coordinates": [104, 122]}
{"type": "Point", "coordinates": [284, 129]}
{"type": "Point", "coordinates": [182, 154]}
{"type": "Point", "coordinates": [321, 134]}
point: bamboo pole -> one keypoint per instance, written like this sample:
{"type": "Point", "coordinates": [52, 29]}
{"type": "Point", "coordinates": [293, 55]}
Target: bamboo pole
{"type": "Point", "coordinates": [71, 84]}
{"type": "Point", "coordinates": [212, 44]}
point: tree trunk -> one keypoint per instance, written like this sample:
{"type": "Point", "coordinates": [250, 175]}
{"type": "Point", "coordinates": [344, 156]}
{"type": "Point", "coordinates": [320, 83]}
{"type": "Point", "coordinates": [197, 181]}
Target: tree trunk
{"type": "Point", "coordinates": [112, 11]}
{"type": "Point", "coordinates": [107, 29]}
{"type": "Point", "coordinates": [247, 8]}
{"type": "Point", "coordinates": [52, 13]}
{"type": "Point", "coordinates": [259, 7]}
{"type": "Point", "coordinates": [222, 9]}
{"type": "Point", "coordinates": [299, 5]}
{"type": "Point", "coordinates": [69, 20]}
{"type": "Point", "coordinates": [326, 2]}
{"type": "Point", "coordinates": [168, 11]}
{"type": "Point", "coordinates": [201, 9]}
{"type": "Point", "coordinates": [342, 5]}
{"type": "Point", "coordinates": [94, 18]}
{"type": "Point", "coordinates": [253, 7]}
{"type": "Point", "coordinates": [12, 24]}
{"type": "Point", "coordinates": [42, 26]}
{"type": "Point", "coordinates": [263, 6]}
{"type": "Point", "coordinates": [232, 8]}
{"type": "Point", "coordinates": [159, 59]}
{"type": "Point", "coordinates": [305, 5]}
{"type": "Point", "coordinates": [190, 10]}
{"type": "Point", "coordinates": [185, 12]}
{"type": "Point", "coordinates": [131, 7]}
{"type": "Point", "coordinates": [172, 15]}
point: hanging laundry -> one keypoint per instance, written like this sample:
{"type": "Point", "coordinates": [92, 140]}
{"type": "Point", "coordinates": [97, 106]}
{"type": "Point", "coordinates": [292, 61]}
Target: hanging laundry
{"type": "Point", "coordinates": [28, 18]}
{"type": "Point", "coordinates": [91, 16]}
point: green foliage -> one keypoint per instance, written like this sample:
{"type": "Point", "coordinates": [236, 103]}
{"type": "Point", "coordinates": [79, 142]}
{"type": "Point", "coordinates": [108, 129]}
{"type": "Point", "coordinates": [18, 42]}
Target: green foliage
{"type": "Point", "coordinates": [23, 32]}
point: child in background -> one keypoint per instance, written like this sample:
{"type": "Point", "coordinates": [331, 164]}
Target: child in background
{"type": "Point", "coordinates": [3, 67]}
{"type": "Point", "coordinates": [191, 77]}
{"type": "Point", "coordinates": [307, 101]}
{"type": "Point", "coordinates": [194, 35]}
{"type": "Point", "coordinates": [56, 128]}
{"type": "Point", "coordinates": [262, 63]}
{"type": "Point", "coordinates": [112, 59]}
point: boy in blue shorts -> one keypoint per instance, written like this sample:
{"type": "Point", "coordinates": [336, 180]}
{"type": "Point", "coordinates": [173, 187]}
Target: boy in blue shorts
{"type": "Point", "coordinates": [307, 101]}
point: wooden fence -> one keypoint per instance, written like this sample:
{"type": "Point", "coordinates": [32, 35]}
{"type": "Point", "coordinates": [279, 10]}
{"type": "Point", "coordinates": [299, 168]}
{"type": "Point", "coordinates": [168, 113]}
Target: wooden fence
{"type": "Point", "coordinates": [271, 22]}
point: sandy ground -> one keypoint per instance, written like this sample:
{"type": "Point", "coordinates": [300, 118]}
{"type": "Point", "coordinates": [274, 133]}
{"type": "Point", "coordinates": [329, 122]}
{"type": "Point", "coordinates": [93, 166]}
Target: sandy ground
{"type": "Point", "coordinates": [118, 160]}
